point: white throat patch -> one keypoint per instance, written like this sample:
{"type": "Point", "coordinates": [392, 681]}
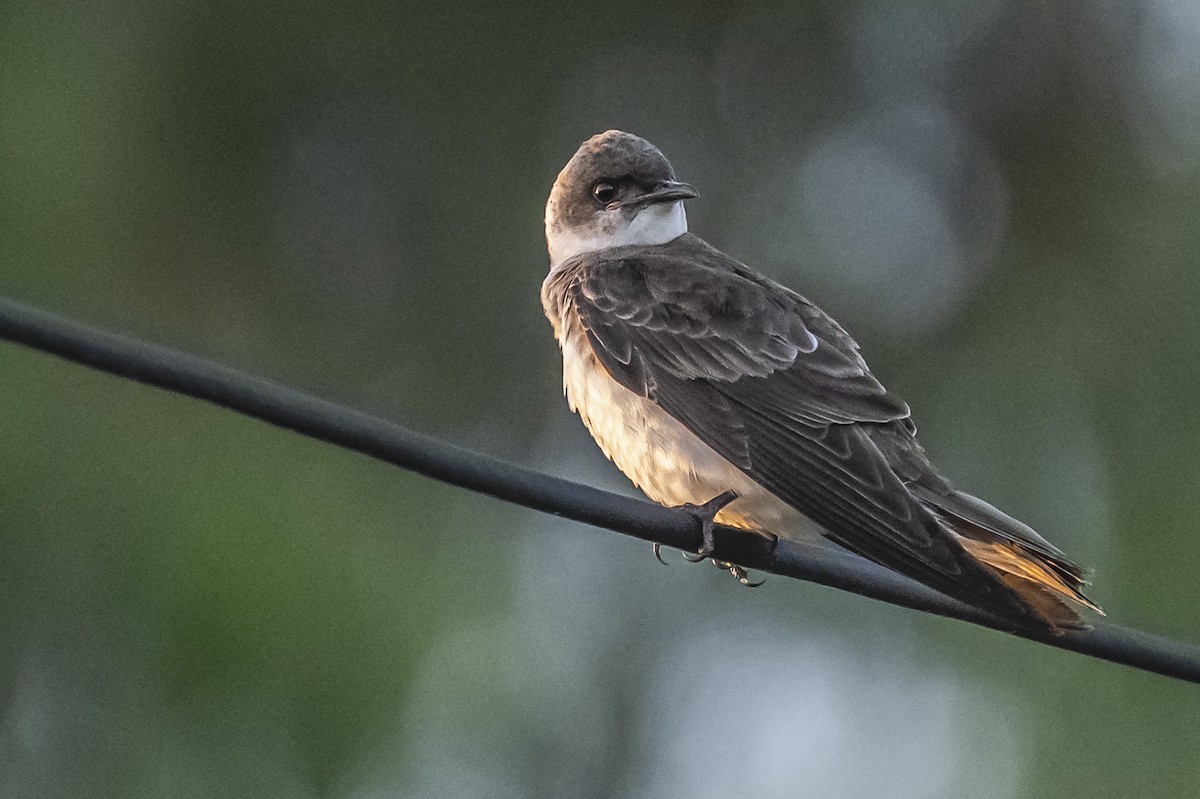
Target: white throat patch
{"type": "Point", "coordinates": [654, 224]}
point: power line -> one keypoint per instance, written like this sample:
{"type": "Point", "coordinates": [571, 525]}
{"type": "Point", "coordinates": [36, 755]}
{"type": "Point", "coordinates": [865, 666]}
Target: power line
{"type": "Point", "coordinates": [175, 371]}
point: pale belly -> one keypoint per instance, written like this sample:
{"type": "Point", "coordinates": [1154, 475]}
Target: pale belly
{"type": "Point", "coordinates": [661, 456]}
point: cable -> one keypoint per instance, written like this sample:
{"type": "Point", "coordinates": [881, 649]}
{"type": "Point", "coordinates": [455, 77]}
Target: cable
{"type": "Point", "coordinates": [165, 368]}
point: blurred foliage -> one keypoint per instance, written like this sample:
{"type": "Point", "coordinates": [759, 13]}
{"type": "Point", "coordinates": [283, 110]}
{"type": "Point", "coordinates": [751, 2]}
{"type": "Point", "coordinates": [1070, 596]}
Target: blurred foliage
{"type": "Point", "coordinates": [999, 199]}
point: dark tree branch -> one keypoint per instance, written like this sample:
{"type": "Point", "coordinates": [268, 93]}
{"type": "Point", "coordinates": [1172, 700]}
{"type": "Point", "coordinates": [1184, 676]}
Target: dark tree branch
{"type": "Point", "coordinates": [159, 366]}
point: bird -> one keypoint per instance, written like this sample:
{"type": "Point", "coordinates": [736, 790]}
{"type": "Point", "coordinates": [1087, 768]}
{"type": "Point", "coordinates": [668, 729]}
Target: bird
{"type": "Point", "coordinates": [719, 390]}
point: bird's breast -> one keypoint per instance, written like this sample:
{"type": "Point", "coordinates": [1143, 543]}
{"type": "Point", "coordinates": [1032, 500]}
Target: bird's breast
{"type": "Point", "coordinates": [658, 453]}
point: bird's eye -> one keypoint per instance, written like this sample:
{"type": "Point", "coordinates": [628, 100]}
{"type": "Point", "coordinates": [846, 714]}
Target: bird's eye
{"type": "Point", "coordinates": [604, 192]}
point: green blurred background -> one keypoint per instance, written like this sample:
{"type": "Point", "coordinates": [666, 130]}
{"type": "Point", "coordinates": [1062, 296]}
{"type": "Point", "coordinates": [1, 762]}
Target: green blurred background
{"type": "Point", "coordinates": [1000, 201]}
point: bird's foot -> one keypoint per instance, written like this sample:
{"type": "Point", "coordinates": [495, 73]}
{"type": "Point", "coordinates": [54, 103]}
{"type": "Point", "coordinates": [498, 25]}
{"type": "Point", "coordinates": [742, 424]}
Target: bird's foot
{"type": "Point", "coordinates": [706, 514]}
{"type": "Point", "coordinates": [741, 573]}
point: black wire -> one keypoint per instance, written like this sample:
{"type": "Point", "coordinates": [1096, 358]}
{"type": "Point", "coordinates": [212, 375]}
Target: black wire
{"type": "Point", "coordinates": [316, 418]}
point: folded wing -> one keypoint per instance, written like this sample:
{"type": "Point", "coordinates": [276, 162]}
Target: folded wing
{"type": "Point", "coordinates": [779, 389]}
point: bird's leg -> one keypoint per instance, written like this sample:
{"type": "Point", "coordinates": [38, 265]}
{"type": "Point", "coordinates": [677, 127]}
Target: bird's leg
{"type": "Point", "coordinates": [706, 514]}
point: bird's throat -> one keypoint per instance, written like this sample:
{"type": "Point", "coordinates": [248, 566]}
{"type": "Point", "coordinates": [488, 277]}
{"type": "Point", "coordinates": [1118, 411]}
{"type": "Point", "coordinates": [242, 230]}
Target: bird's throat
{"type": "Point", "coordinates": [653, 224]}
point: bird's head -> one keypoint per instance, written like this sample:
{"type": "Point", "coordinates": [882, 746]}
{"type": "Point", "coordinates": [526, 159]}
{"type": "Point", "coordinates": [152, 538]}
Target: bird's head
{"type": "Point", "coordinates": [618, 189]}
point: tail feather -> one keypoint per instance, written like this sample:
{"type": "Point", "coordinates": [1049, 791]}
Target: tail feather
{"type": "Point", "coordinates": [1026, 562]}
{"type": "Point", "coordinates": [1030, 573]}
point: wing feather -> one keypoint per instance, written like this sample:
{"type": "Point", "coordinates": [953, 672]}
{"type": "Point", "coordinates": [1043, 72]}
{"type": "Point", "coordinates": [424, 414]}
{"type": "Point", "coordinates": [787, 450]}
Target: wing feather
{"type": "Point", "coordinates": [779, 389]}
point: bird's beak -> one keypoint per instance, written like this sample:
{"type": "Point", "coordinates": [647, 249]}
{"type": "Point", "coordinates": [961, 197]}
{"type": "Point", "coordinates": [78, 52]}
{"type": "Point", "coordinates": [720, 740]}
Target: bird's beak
{"type": "Point", "coordinates": [665, 192]}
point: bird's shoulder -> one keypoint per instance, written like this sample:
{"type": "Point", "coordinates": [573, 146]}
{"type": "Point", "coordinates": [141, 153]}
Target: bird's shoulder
{"type": "Point", "coordinates": [688, 279]}
{"type": "Point", "coordinates": [685, 311]}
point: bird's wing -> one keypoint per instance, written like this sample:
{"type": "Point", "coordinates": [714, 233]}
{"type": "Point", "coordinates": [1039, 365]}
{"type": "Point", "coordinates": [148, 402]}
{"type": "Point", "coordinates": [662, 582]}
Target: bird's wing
{"type": "Point", "coordinates": [779, 389]}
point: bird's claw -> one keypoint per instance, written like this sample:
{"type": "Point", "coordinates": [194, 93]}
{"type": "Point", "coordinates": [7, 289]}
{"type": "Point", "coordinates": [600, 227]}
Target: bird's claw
{"type": "Point", "coordinates": [740, 572]}
{"type": "Point", "coordinates": [742, 575]}
{"type": "Point", "coordinates": [706, 514]}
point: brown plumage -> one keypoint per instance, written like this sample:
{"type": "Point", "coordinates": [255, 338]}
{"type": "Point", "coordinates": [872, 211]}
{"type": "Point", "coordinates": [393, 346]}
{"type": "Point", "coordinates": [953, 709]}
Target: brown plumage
{"type": "Point", "coordinates": [696, 375]}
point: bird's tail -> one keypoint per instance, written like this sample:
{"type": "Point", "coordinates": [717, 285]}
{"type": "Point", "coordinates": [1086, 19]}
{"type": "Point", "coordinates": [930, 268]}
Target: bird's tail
{"type": "Point", "coordinates": [1050, 585]}
{"type": "Point", "coordinates": [1042, 575]}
